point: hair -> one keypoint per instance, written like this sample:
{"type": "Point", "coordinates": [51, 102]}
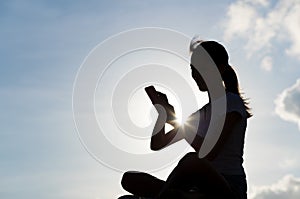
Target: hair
{"type": "Point", "coordinates": [220, 56]}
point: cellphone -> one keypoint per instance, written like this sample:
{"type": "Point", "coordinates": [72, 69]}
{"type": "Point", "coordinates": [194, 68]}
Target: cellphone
{"type": "Point", "coordinates": [154, 97]}
{"type": "Point", "coordinates": [152, 94]}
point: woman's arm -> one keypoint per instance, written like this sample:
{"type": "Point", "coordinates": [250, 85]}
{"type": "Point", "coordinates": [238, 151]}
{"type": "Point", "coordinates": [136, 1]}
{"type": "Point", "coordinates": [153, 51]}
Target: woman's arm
{"type": "Point", "coordinates": [166, 114]}
{"type": "Point", "coordinates": [197, 143]}
{"type": "Point", "coordinates": [160, 139]}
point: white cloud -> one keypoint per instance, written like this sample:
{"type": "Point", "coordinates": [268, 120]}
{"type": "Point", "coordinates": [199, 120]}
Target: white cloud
{"type": "Point", "coordinates": [240, 17]}
{"type": "Point", "coordinates": [259, 2]}
{"type": "Point", "coordinates": [288, 104]}
{"type": "Point", "coordinates": [262, 24]}
{"type": "Point", "coordinates": [267, 63]}
{"type": "Point", "coordinates": [286, 188]}
{"type": "Point", "coordinates": [292, 25]}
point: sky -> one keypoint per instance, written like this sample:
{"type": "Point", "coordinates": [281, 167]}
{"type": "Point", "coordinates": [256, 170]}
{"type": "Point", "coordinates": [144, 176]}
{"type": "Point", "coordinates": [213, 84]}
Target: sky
{"type": "Point", "coordinates": [45, 43]}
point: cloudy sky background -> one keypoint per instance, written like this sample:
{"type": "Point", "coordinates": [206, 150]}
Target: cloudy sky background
{"type": "Point", "coordinates": [45, 42]}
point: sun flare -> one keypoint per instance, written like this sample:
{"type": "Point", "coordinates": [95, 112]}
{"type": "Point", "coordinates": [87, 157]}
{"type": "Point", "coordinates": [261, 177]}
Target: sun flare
{"type": "Point", "coordinates": [142, 112]}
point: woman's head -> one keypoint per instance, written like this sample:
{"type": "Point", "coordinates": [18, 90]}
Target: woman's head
{"type": "Point", "coordinates": [220, 57]}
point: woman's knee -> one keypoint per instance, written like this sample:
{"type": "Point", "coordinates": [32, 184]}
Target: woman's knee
{"type": "Point", "coordinates": [193, 162]}
{"type": "Point", "coordinates": [127, 179]}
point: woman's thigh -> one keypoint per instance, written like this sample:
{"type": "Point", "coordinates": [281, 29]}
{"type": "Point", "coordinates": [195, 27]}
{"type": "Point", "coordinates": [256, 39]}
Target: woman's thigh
{"type": "Point", "coordinates": [194, 172]}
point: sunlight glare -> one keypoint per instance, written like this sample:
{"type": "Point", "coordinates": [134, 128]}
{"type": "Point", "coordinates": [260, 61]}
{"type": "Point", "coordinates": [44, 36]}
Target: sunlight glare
{"type": "Point", "coordinates": [141, 110]}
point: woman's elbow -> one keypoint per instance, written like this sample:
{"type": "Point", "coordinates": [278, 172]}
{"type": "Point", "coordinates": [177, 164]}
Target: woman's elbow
{"type": "Point", "coordinates": [156, 143]}
{"type": "Point", "coordinates": [154, 147]}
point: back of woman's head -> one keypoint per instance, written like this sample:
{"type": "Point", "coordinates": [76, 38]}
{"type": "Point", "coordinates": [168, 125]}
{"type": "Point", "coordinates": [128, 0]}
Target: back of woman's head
{"type": "Point", "coordinates": [216, 51]}
{"type": "Point", "coordinates": [220, 56]}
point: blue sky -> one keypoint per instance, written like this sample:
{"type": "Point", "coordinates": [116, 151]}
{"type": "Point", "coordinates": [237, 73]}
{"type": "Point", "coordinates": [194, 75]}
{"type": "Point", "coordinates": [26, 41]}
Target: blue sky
{"type": "Point", "coordinates": [45, 42]}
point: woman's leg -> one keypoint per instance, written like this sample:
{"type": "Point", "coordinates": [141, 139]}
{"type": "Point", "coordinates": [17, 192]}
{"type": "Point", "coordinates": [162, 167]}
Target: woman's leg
{"type": "Point", "coordinates": [142, 184]}
{"type": "Point", "coordinates": [192, 171]}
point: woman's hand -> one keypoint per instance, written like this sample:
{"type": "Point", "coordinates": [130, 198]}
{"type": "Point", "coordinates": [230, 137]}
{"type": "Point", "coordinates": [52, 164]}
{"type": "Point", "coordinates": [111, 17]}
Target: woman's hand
{"type": "Point", "coordinates": [160, 101]}
{"type": "Point", "coordinates": [168, 109]}
{"type": "Point", "coordinates": [166, 114]}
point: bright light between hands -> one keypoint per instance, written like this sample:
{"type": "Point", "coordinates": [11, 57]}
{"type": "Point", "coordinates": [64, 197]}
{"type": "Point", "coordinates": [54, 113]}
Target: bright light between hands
{"type": "Point", "coordinates": [142, 112]}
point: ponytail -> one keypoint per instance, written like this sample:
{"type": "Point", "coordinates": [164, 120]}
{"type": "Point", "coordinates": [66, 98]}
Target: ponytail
{"type": "Point", "coordinates": [230, 80]}
{"type": "Point", "coordinates": [232, 85]}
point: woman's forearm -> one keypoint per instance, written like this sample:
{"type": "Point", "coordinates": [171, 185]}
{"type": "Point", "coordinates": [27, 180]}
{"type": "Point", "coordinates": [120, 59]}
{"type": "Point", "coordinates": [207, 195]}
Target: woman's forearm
{"type": "Point", "coordinates": [158, 134]}
{"type": "Point", "coordinates": [159, 138]}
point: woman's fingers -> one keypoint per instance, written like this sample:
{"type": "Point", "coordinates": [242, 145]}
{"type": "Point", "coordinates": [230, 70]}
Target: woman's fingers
{"type": "Point", "coordinates": [162, 96]}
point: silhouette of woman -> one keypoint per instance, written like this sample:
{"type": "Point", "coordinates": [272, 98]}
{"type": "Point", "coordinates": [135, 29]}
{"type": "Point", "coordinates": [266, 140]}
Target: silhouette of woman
{"type": "Point", "coordinates": [220, 173]}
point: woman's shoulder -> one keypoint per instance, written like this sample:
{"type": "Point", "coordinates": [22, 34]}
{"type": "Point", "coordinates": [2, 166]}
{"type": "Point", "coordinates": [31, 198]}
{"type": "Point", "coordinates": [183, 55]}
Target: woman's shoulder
{"type": "Point", "coordinates": [235, 103]}
{"type": "Point", "coordinates": [233, 96]}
